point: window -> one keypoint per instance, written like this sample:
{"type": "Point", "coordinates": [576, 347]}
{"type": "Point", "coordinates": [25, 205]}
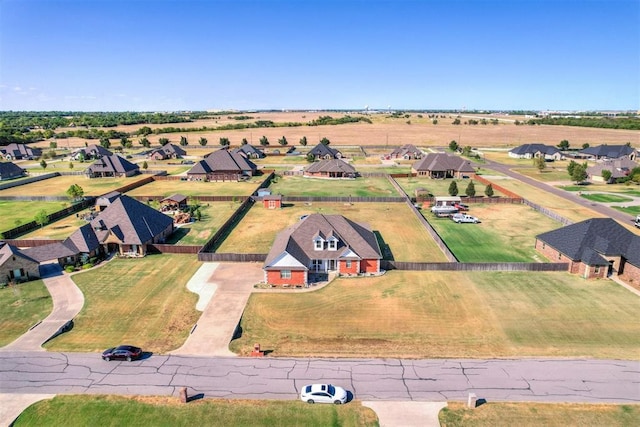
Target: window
{"type": "Point", "coordinates": [316, 264]}
{"type": "Point", "coordinates": [333, 244]}
{"type": "Point", "coordinates": [559, 255]}
{"type": "Point", "coordinates": [318, 244]}
{"type": "Point", "coordinates": [348, 263]}
{"type": "Point", "coordinates": [285, 274]}
{"type": "Point", "coordinates": [596, 270]}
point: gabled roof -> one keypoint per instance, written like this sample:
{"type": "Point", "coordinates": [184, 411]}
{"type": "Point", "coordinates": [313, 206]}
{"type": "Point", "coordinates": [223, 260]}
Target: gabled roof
{"type": "Point", "coordinates": [249, 150]}
{"type": "Point", "coordinates": [84, 239]}
{"type": "Point", "coordinates": [21, 150]}
{"type": "Point", "coordinates": [619, 167]}
{"type": "Point", "coordinates": [178, 198]}
{"type": "Point", "coordinates": [7, 251]}
{"type": "Point", "coordinates": [331, 165]}
{"type": "Point", "coordinates": [8, 169]}
{"type": "Point", "coordinates": [222, 161]}
{"type": "Point", "coordinates": [168, 150]}
{"type": "Point", "coordinates": [535, 148]}
{"type": "Point", "coordinates": [609, 151]}
{"type": "Point", "coordinates": [130, 221]}
{"type": "Point", "coordinates": [407, 149]}
{"type": "Point", "coordinates": [355, 240]}
{"type": "Point", "coordinates": [113, 163]}
{"type": "Point", "coordinates": [588, 241]}
{"type": "Point", "coordinates": [94, 150]}
{"type": "Point", "coordinates": [438, 162]}
{"type": "Point", "coordinates": [322, 150]}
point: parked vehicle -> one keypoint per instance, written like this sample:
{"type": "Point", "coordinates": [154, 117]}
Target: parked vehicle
{"type": "Point", "coordinates": [459, 217]}
{"type": "Point", "coordinates": [444, 209]}
{"type": "Point", "coordinates": [637, 223]}
{"type": "Point", "coordinates": [323, 393]}
{"type": "Point", "coordinates": [461, 206]}
{"type": "Point", "coordinates": [122, 352]}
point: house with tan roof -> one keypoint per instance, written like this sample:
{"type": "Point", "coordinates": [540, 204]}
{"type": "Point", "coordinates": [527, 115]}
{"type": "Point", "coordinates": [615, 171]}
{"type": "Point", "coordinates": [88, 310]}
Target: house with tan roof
{"type": "Point", "coordinates": [16, 151]}
{"type": "Point", "coordinates": [222, 165]}
{"type": "Point", "coordinates": [442, 165]}
{"type": "Point", "coordinates": [318, 245]}
{"type": "Point", "coordinates": [330, 168]}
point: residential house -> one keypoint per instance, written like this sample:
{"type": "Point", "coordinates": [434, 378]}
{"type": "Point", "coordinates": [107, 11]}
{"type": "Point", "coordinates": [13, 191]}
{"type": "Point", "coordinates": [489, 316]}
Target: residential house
{"type": "Point", "coordinates": [610, 152]}
{"type": "Point", "coordinates": [249, 152]}
{"type": "Point", "coordinates": [76, 249]}
{"type": "Point", "coordinates": [222, 165]}
{"type": "Point", "coordinates": [441, 165]}
{"type": "Point", "coordinates": [20, 152]}
{"type": "Point", "coordinates": [167, 151]}
{"type": "Point", "coordinates": [331, 168]}
{"type": "Point", "coordinates": [406, 152]}
{"type": "Point", "coordinates": [534, 151]}
{"type": "Point", "coordinates": [9, 170]}
{"type": "Point", "coordinates": [318, 245]}
{"type": "Point", "coordinates": [15, 266]}
{"type": "Point", "coordinates": [594, 248]}
{"type": "Point", "coordinates": [619, 168]}
{"type": "Point", "coordinates": [324, 152]}
{"type": "Point", "coordinates": [111, 167]}
{"type": "Point", "coordinates": [91, 152]}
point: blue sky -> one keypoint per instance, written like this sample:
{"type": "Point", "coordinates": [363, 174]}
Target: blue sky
{"type": "Point", "coordinates": [110, 55]}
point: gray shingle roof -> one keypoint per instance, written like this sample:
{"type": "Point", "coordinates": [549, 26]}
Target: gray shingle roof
{"type": "Point", "coordinates": [440, 162]}
{"type": "Point", "coordinates": [10, 170]}
{"type": "Point", "coordinates": [169, 150]}
{"type": "Point", "coordinates": [609, 151]}
{"type": "Point", "coordinates": [222, 161]}
{"type": "Point", "coordinates": [535, 148]}
{"type": "Point", "coordinates": [7, 251]}
{"type": "Point", "coordinates": [18, 151]}
{"type": "Point", "coordinates": [331, 165]}
{"type": "Point", "coordinates": [113, 163]}
{"type": "Point", "coordinates": [322, 150]}
{"type": "Point", "coordinates": [249, 150]}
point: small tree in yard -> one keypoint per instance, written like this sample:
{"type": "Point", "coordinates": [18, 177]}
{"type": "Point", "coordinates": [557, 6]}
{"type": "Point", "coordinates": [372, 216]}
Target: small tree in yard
{"type": "Point", "coordinates": [244, 141]}
{"type": "Point", "coordinates": [488, 191]}
{"type": "Point", "coordinates": [42, 218]}
{"type": "Point", "coordinates": [540, 163]}
{"type": "Point", "coordinates": [311, 158]}
{"type": "Point", "coordinates": [606, 175]}
{"type": "Point", "coordinates": [283, 141]}
{"type": "Point", "coordinates": [75, 192]}
{"type": "Point", "coordinates": [579, 174]}
{"type": "Point", "coordinates": [453, 146]}
{"type": "Point", "coordinates": [183, 141]}
{"type": "Point", "coordinates": [145, 142]}
{"type": "Point", "coordinates": [471, 189]}
{"type": "Point", "coordinates": [224, 141]}
{"type": "Point", "coordinates": [70, 165]}
{"type": "Point", "coordinates": [453, 189]}
{"type": "Point", "coordinates": [203, 141]}
{"type": "Point", "coordinates": [303, 141]}
{"type": "Point", "coordinates": [264, 141]}
{"type": "Point", "coordinates": [145, 165]}
{"type": "Point", "coordinates": [564, 145]}
{"type": "Point", "coordinates": [43, 164]}
{"type": "Point", "coordinates": [325, 141]}
{"type": "Point", "coordinates": [163, 141]}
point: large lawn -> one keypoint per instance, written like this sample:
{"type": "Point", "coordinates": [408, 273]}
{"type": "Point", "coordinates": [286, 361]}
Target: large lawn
{"type": "Point", "coordinates": [58, 186]}
{"type": "Point", "coordinates": [14, 213]}
{"type": "Point", "coordinates": [214, 215]}
{"type": "Point", "coordinates": [198, 188]}
{"type": "Point", "coordinates": [410, 242]}
{"type": "Point", "coordinates": [506, 233]}
{"type": "Point", "coordinates": [84, 410]}
{"type": "Point", "coordinates": [140, 301]}
{"type": "Point", "coordinates": [359, 187]}
{"type": "Point", "coordinates": [22, 306]}
{"type": "Point", "coordinates": [448, 314]}
{"type": "Point", "coordinates": [440, 187]}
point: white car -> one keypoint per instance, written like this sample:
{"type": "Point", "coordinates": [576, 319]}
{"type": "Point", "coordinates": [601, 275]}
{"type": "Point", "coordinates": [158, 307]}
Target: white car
{"type": "Point", "coordinates": [323, 393]}
{"type": "Point", "coordinates": [459, 217]}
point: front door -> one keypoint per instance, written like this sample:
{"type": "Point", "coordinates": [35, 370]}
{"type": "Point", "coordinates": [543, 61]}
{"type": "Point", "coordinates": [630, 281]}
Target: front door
{"type": "Point", "coordinates": [332, 264]}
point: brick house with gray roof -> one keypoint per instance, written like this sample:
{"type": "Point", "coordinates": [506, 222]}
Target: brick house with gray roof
{"type": "Point", "coordinates": [17, 266]}
{"type": "Point", "coordinates": [610, 152]}
{"type": "Point", "coordinates": [91, 152]}
{"type": "Point", "coordinates": [594, 248]}
{"type": "Point", "coordinates": [331, 168]}
{"type": "Point", "coordinates": [323, 151]}
{"type": "Point", "coordinates": [222, 165]}
{"type": "Point", "coordinates": [167, 151]}
{"type": "Point", "coordinates": [111, 167]}
{"type": "Point", "coordinates": [10, 170]}
{"type": "Point", "coordinates": [442, 165]}
{"type": "Point", "coordinates": [318, 245]}
{"type": "Point", "coordinates": [531, 151]}
{"type": "Point", "coordinates": [16, 151]}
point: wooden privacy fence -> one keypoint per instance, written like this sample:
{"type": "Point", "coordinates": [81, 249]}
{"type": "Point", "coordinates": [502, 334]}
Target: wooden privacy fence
{"type": "Point", "coordinates": [29, 180]}
{"type": "Point", "coordinates": [226, 228]}
{"type": "Point", "coordinates": [474, 266]}
{"type": "Point", "coordinates": [231, 257]}
{"type": "Point", "coordinates": [342, 199]}
{"type": "Point", "coordinates": [30, 243]}
{"type": "Point", "coordinates": [196, 198]}
{"type": "Point", "coordinates": [174, 249]}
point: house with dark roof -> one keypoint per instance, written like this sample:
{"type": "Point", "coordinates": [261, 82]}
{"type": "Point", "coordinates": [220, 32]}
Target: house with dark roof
{"type": "Point", "coordinates": [442, 165]}
{"type": "Point", "coordinates": [111, 167]}
{"type": "Point", "coordinates": [318, 245]}
{"type": "Point", "coordinates": [406, 152]}
{"type": "Point", "coordinates": [594, 248]}
{"type": "Point", "coordinates": [610, 152]}
{"type": "Point", "coordinates": [167, 151]}
{"type": "Point", "coordinates": [91, 152]}
{"type": "Point", "coordinates": [9, 170]}
{"type": "Point", "coordinates": [330, 168]}
{"type": "Point", "coordinates": [174, 202]}
{"type": "Point", "coordinates": [249, 152]}
{"type": "Point", "coordinates": [222, 165]}
{"type": "Point", "coordinates": [16, 266]}
{"type": "Point", "coordinates": [619, 168]}
{"type": "Point", "coordinates": [534, 151]}
{"type": "Point", "coordinates": [76, 249]}
{"type": "Point", "coordinates": [324, 152]}
{"type": "Point", "coordinates": [15, 151]}
{"type": "Point", "coordinates": [106, 199]}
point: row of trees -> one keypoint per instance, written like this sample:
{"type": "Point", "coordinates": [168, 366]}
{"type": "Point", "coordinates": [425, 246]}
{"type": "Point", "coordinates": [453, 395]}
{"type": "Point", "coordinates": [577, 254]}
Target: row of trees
{"type": "Point", "coordinates": [470, 191]}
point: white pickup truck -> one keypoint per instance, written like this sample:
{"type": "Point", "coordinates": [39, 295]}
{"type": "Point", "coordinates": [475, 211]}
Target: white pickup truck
{"type": "Point", "coordinates": [461, 217]}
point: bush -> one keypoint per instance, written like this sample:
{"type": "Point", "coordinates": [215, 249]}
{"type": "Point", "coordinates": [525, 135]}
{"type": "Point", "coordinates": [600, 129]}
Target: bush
{"type": "Point", "coordinates": [69, 268]}
{"type": "Point", "coordinates": [87, 266]}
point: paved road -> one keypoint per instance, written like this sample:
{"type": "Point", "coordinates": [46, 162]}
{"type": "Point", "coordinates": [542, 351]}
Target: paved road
{"type": "Point", "coordinates": [543, 380]}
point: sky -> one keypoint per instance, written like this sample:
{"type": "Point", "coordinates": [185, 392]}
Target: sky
{"type": "Point", "coordinates": [144, 55]}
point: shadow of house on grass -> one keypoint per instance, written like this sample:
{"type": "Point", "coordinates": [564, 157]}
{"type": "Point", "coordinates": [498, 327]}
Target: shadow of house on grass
{"type": "Point", "coordinates": [384, 247]}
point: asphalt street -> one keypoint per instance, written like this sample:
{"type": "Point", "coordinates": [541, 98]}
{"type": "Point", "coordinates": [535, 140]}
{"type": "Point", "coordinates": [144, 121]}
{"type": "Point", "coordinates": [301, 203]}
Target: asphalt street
{"type": "Point", "coordinates": [540, 380]}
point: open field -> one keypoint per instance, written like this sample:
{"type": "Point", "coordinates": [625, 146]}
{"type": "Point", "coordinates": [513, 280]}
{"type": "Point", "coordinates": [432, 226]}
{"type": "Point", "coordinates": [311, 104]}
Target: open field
{"type": "Point", "coordinates": [14, 213]}
{"type": "Point", "coordinates": [84, 410]}
{"type": "Point", "coordinates": [257, 230]}
{"type": "Point", "coordinates": [198, 188]}
{"type": "Point", "coordinates": [525, 414]}
{"type": "Point", "coordinates": [21, 307]}
{"type": "Point", "coordinates": [214, 215]}
{"type": "Point", "coordinates": [506, 233]}
{"type": "Point", "coordinates": [359, 187]}
{"type": "Point", "coordinates": [142, 301]}
{"type": "Point", "coordinates": [58, 186]}
{"type": "Point", "coordinates": [448, 314]}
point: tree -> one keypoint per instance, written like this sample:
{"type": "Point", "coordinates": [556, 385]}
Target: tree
{"type": "Point", "coordinates": [453, 189]}
{"type": "Point", "coordinates": [606, 175]}
{"type": "Point", "coordinates": [75, 192]}
{"type": "Point", "coordinates": [144, 141]}
{"type": "Point", "coordinates": [53, 144]}
{"type": "Point", "coordinates": [303, 141]}
{"type": "Point", "coordinates": [42, 218]}
{"type": "Point", "coordinates": [202, 141]}
{"type": "Point", "coordinates": [244, 141]}
{"type": "Point", "coordinates": [264, 141]}
{"type": "Point", "coordinates": [224, 141]}
{"type": "Point", "coordinates": [163, 141]}
{"type": "Point", "coordinates": [434, 121]}
{"type": "Point", "coordinates": [145, 165]}
{"type": "Point", "coordinates": [43, 164]}
{"type": "Point", "coordinates": [579, 174]}
{"type": "Point", "coordinates": [325, 141]}
{"type": "Point", "coordinates": [585, 145]}
{"type": "Point", "coordinates": [456, 122]}
{"type": "Point", "coordinates": [453, 145]}
{"type": "Point", "coordinates": [564, 145]}
{"type": "Point", "coordinates": [105, 143]}
{"type": "Point", "coordinates": [540, 163]}
{"type": "Point", "coordinates": [488, 190]}
{"type": "Point", "coordinates": [283, 141]}
{"type": "Point", "coordinates": [572, 164]}
{"type": "Point", "coordinates": [70, 165]}
{"type": "Point", "coordinates": [124, 141]}
{"type": "Point", "coordinates": [471, 189]}
{"type": "Point", "coordinates": [183, 141]}
{"type": "Point", "coordinates": [311, 158]}
{"type": "Point", "coordinates": [466, 151]}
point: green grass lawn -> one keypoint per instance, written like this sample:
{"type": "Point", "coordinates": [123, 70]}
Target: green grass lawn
{"type": "Point", "coordinates": [85, 410]}
{"type": "Point", "coordinates": [448, 314]}
{"type": "Point", "coordinates": [21, 307]}
{"type": "Point", "coordinates": [60, 229]}
{"type": "Point", "coordinates": [362, 187]}
{"type": "Point", "coordinates": [506, 233]}
{"type": "Point", "coordinates": [139, 301]}
{"type": "Point", "coordinates": [552, 173]}
{"type": "Point", "coordinates": [606, 198]}
{"type": "Point", "coordinates": [198, 188]}
{"type": "Point", "coordinates": [440, 187]}
{"type": "Point", "coordinates": [631, 210]}
{"type": "Point", "coordinates": [58, 186]}
{"type": "Point", "coordinates": [214, 215]}
{"type": "Point", "coordinates": [524, 414]}
{"type": "Point", "coordinates": [14, 213]}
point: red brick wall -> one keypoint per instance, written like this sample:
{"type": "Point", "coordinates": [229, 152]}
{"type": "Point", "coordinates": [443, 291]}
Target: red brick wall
{"type": "Point", "coordinates": [631, 274]}
{"type": "Point", "coordinates": [297, 278]}
{"type": "Point", "coordinates": [370, 266]}
{"type": "Point", "coordinates": [344, 270]}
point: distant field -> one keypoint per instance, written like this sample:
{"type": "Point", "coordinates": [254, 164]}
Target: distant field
{"type": "Point", "coordinates": [58, 186]}
{"type": "Point", "coordinates": [15, 213]}
{"type": "Point", "coordinates": [359, 187]}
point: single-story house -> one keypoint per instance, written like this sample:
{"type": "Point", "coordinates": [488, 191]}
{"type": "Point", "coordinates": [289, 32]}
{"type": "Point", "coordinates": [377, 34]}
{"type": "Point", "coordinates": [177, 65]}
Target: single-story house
{"type": "Point", "coordinates": [91, 152]}
{"type": "Point", "coordinates": [167, 151]}
{"type": "Point", "coordinates": [222, 165]}
{"type": "Point", "coordinates": [272, 201]}
{"type": "Point", "coordinates": [319, 244]}
{"type": "Point", "coordinates": [9, 170]}
{"type": "Point", "coordinates": [16, 266]}
{"type": "Point", "coordinates": [249, 151]}
{"type": "Point", "coordinates": [610, 152]}
{"type": "Point", "coordinates": [406, 152]}
{"type": "Point", "coordinates": [173, 203]}
{"type": "Point", "coordinates": [441, 165]}
{"type": "Point", "coordinates": [112, 166]}
{"type": "Point", "coordinates": [531, 151]}
{"type": "Point", "coordinates": [322, 151]}
{"type": "Point", "coordinates": [16, 151]}
{"type": "Point", "coordinates": [619, 168]}
{"type": "Point", "coordinates": [331, 168]}
{"type": "Point", "coordinates": [594, 248]}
